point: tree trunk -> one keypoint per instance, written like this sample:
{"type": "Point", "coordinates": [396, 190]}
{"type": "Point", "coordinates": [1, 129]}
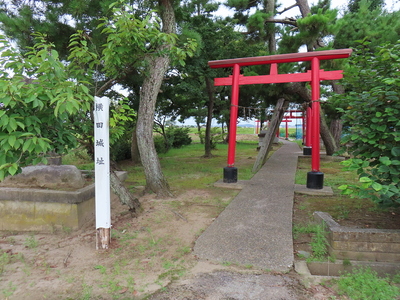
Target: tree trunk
{"type": "Point", "coordinates": [135, 155]}
{"type": "Point", "coordinates": [270, 8]}
{"type": "Point", "coordinates": [337, 124]}
{"type": "Point", "coordinates": [124, 195]}
{"type": "Point", "coordinates": [276, 119]}
{"type": "Point", "coordinates": [336, 130]}
{"type": "Point", "coordinates": [155, 180]}
{"type": "Point", "coordinates": [210, 109]}
{"type": "Point", "coordinates": [328, 139]}
{"type": "Point", "coordinates": [304, 7]}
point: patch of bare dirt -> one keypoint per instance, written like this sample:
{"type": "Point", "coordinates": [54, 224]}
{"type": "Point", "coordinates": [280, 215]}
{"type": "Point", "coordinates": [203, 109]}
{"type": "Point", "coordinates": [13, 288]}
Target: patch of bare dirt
{"type": "Point", "coordinates": [147, 252]}
{"type": "Point", "coordinates": [151, 252]}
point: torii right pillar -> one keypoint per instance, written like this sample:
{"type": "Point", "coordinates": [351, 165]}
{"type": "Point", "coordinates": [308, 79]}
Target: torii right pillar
{"type": "Point", "coordinates": [315, 178]}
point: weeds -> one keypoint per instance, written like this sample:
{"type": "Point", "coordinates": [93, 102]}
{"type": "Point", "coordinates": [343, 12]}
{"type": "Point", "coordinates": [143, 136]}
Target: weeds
{"type": "Point", "coordinates": [9, 291]}
{"type": "Point", "coordinates": [184, 250]}
{"type": "Point", "coordinates": [4, 260]}
{"type": "Point", "coordinates": [168, 264]}
{"type": "Point", "coordinates": [364, 284]}
{"type": "Point", "coordinates": [66, 229]}
{"type": "Point", "coordinates": [31, 242]}
{"type": "Point", "coordinates": [101, 268]}
{"type": "Point", "coordinates": [86, 292]}
{"type": "Point", "coordinates": [319, 243]}
{"type": "Point", "coordinates": [303, 229]}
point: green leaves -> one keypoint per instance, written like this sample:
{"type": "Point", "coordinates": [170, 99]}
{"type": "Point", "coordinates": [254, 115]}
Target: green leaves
{"type": "Point", "coordinates": [36, 101]}
{"type": "Point", "coordinates": [372, 119]}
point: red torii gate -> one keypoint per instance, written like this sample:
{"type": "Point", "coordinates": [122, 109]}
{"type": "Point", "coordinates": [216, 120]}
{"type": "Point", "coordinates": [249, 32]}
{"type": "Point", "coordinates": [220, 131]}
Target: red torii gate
{"type": "Point", "coordinates": [315, 177]}
{"type": "Point", "coordinates": [289, 115]}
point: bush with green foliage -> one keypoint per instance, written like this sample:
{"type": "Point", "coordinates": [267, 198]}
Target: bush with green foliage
{"type": "Point", "coordinates": [178, 136]}
{"type": "Point", "coordinates": [121, 149]}
{"type": "Point", "coordinates": [160, 144]}
{"type": "Point", "coordinates": [372, 119]}
{"type": "Point", "coordinates": [216, 136]}
{"type": "Point", "coordinates": [39, 94]}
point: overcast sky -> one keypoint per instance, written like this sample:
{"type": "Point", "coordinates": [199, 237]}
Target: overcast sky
{"type": "Point", "coordinates": [391, 5]}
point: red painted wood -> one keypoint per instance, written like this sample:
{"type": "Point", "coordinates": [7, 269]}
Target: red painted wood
{"type": "Point", "coordinates": [233, 115]}
{"type": "Point", "coordinates": [280, 78]}
{"type": "Point", "coordinates": [274, 69]}
{"type": "Point", "coordinates": [286, 127]}
{"type": "Point", "coordinates": [316, 75]}
{"type": "Point", "coordinates": [315, 95]}
{"type": "Point", "coordinates": [304, 129]}
{"type": "Point", "coordinates": [308, 126]}
{"type": "Point", "coordinates": [280, 58]}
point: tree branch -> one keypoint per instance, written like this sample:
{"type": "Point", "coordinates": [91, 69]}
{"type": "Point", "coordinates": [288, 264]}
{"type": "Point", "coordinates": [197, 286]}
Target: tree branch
{"type": "Point", "coordinates": [286, 9]}
{"type": "Point", "coordinates": [106, 86]}
{"type": "Point", "coordinates": [287, 21]}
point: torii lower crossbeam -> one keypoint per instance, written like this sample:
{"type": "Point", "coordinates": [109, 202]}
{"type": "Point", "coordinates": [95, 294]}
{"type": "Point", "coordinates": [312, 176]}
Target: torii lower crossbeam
{"type": "Point", "coordinates": [315, 177]}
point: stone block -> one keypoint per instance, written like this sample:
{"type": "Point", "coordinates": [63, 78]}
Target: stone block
{"type": "Point", "coordinates": [339, 267]}
{"type": "Point", "coordinates": [365, 256]}
{"type": "Point", "coordinates": [44, 216]}
{"type": "Point", "coordinates": [47, 177]}
{"type": "Point", "coordinates": [365, 246]}
{"type": "Point", "coordinates": [380, 245]}
{"type": "Point", "coordinates": [23, 209]}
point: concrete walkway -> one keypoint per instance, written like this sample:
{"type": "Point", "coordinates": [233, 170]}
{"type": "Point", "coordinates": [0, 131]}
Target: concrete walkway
{"type": "Point", "coordinates": [256, 227]}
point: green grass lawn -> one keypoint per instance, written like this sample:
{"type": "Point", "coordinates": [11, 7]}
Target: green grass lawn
{"type": "Point", "coordinates": [186, 168]}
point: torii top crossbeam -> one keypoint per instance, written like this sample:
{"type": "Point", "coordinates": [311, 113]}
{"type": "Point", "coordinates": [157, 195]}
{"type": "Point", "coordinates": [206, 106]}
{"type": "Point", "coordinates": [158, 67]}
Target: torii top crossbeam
{"type": "Point", "coordinates": [280, 58]}
{"type": "Point", "coordinates": [314, 77]}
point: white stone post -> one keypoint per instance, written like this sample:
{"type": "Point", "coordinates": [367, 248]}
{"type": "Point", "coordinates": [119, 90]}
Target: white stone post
{"type": "Point", "coordinates": [102, 172]}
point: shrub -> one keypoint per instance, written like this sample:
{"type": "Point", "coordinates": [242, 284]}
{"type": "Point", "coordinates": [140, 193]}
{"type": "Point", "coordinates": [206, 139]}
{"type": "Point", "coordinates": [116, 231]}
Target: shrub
{"type": "Point", "coordinates": [216, 136]}
{"type": "Point", "coordinates": [160, 144]}
{"type": "Point", "coordinates": [178, 136]}
{"type": "Point", "coordinates": [373, 139]}
{"type": "Point", "coordinates": [121, 149]}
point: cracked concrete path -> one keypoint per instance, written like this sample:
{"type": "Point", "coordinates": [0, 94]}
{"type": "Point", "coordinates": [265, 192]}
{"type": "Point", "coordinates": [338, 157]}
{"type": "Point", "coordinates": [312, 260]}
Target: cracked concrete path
{"type": "Point", "coordinates": [256, 227]}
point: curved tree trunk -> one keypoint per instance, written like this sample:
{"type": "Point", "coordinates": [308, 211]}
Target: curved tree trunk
{"type": "Point", "coordinates": [155, 180]}
{"type": "Point", "coordinates": [123, 193]}
{"type": "Point", "coordinates": [329, 141]}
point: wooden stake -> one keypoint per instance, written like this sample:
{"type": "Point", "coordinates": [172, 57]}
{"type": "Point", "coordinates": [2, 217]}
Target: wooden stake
{"type": "Point", "coordinates": [103, 238]}
{"type": "Point", "coordinates": [277, 117]}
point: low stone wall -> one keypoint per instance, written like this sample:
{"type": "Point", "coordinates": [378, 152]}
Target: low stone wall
{"type": "Point", "coordinates": [46, 210]}
{"type": "Point", "coordinates": [23, 209]}
{"type": "Point", "coordinates": [358, 244]}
